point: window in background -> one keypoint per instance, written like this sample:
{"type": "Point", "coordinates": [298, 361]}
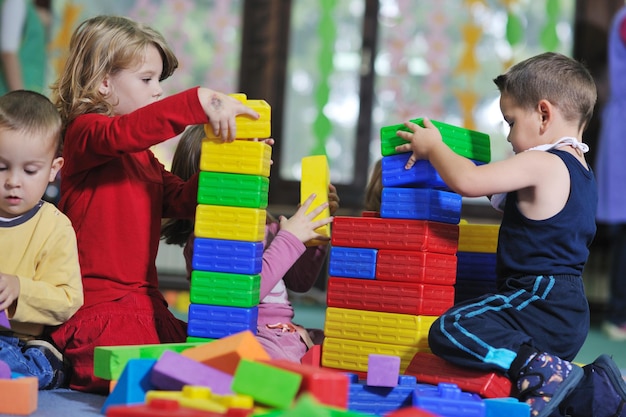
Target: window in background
{"type": "Point", "coordinates": [434, 59]}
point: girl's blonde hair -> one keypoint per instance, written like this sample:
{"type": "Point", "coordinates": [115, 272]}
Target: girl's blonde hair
{"type": "Point", "coordinates": [101, 46]}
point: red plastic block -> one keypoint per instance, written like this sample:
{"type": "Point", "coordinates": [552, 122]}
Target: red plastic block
{"type": "Point", "coordinates": [410, 412]}
{"type": "Point", "coordinates": [379, 233]}
{"type": "Point", "coordinates": [389, 296]}
{"type": "Point", "coordinates": [414, 266]}
{"type": "Point", "coordinates": [313, 356]}
{"type": "Point", "coordinates": [158, 407]}
{"type": "Point", "coordinates": [329, 387]}
{"type": "Point", "coordinates": [431, 369]}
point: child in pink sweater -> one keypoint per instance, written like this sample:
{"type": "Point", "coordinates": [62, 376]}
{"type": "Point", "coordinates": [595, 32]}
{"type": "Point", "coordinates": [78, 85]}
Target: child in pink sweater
{"type": "Point", "coordinates": [287, 262]}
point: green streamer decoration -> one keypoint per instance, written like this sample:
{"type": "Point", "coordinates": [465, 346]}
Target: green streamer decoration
{"type": "Point", "coordinates": [514, 29]}
{"type": "Point", "coordinates": [327, 34]}
{"type": "Point", "coordinates": [548, 38]}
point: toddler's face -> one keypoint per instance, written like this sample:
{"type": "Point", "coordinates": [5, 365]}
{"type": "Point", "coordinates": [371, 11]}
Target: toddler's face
{"type": "Point", "coordinates": [133, 88]}
{"type": "Point", "coordinates": [27, 165]}
{"type": "Point", "coordinates": [523, 124]}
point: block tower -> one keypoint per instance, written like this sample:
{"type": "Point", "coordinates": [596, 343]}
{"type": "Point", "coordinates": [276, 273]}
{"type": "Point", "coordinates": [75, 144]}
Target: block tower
{"type": "Point", "coordinates": [229, 228]}
{"type": "Point", "coordinates": [392, 274]}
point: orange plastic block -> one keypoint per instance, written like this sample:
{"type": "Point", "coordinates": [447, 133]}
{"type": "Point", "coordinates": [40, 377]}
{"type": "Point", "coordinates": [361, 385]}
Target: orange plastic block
{"type": "Point", "coordinates": [431, 369]}
{"type": "Point", "coordinates": [315, 180]}
{"type": "Point", "coordinates": [328, 386]}
{"type": "Point", "coordinates": [248, 128]}
{"type": "Point", "coordinates": [224, 354]}
{"type": "Point", "coordinates": [19, 395]}
{"type": "Point", "coordinates": [237, 157]}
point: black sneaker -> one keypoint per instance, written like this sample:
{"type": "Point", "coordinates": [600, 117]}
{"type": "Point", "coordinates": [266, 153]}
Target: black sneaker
{"type": "Point", "coordinates": [545, 382]}
{"type": "Point", "coordinates": [56, 359]}
{"type": "Point", "coordinates": [601, 392]}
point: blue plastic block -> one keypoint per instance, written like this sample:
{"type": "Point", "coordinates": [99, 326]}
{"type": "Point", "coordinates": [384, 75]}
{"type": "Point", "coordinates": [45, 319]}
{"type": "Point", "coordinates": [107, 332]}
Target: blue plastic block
{"type": "Point", "coordinates": [352, 262]}
{"type": "Point", "coordinates": [215, 322]}
{"type": "Point", "coordinates": [475, 266]}
{"type": "Point", "coordinates": [233, 256]}
{"type": "Point", "coordinates": [132, 385]}
{"type": "Point", "coordinates": [447, 400]}
{"type": "Point", "coordinates": [422, 174]}
{"type": "Point", "coordinates": [509, 407]}
{"type": "Point", "coordinates": [421, 204]}
{"type": "Point", "coordinates": [380, 400]}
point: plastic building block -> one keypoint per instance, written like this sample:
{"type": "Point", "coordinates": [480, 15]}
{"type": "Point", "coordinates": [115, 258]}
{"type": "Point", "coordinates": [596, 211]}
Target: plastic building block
{"type": "Point", "coordinates": [416, 266]}
{"type": "Point", "coordinates": [410, 412]}
{"type": "Point", "coordinates": [239, 190]}
{"type": "Point", "coordinates": [173, 371]}
{"type": "Point", "coordinates": [219, 288]}
{"type": "Point", "coordinates": [379, 233]}
{"type": "Point", "coordinates": [447, 400]}
{"type": "Point", "coordinates": [193, 339]}
{"type": "Point", "coordinates": [201, 398]}
{"type": "Point", "coordinates": [313, 356]}
{"type": "Point", "coordinates": [232, 256]}
{"type": "Point", "coordinates": [231, 223]}
{"type": "Point", "coordinates": [5, 370]}
{"type": "Point", "coordinates": [389, 296]}
{"type": "Point", "coordinates": [109, 361]}
{"type": "Point", "coordinates": [378, 327]}
{"type": "Point", "coordinates": [509, 407]}
{"type": "Point", "coordinates": [4, 320]}
{"type": "Point", "coordinates": [18, 396]}
{"type": "Point", "coordinates": [307, 405]}
{"type": "Point", "coordinates": [327, 386]}
{"type": "Point", "coordinates": [421, 174]}
{"type": "Point", "coordinates": [380, 400]}
{"type": "Point", "coordinates": [225, 353]}
{"type": "Point", "coordinates": [478, 237]}
{"type": "Point", "coordinates": [213, 321]}
{"type": "Point", "coordinates": [383, 370]}
{"type": "Point", "coordinates": [279, 387]}
{"type": "Point", "coordinates": [238, 157]}
{"type": "Point", "coordinates": [132, 385]}
{"type": "Point", "coordinates": [352, 355]}
{"type": "Point", "coordinates": [352, 262]}
{"type": "Point", "coordinates": [476, 266]}
{"type": "Point", "coordinates": [158, 407]}
{"type": "Point", "coordinates": [465, 142]}
{"type": "Point", "coordinates": [421, 204]}
{"type": "Point", "coordinates": [315, 180]}
{"type": "Point", "coordinates": [431, 369]}
{"type": "Point", "coordinates": [248, 128]}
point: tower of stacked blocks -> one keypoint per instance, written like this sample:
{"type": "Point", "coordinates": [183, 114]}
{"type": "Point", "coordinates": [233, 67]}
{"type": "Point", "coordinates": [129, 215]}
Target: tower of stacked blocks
{"type": "Point", "coordinates": [229, 228]}
{"type": "Point", "coordinates": [391, 274]}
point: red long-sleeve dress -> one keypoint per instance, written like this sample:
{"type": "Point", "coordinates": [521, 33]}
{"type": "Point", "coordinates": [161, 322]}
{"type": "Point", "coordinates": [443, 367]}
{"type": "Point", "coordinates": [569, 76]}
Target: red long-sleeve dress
{"type": "Point", "coordinates": [116, 192]}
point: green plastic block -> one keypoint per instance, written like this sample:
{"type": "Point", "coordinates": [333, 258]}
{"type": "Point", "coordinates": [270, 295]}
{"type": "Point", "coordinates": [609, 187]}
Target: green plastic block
{"type": "Point", "coordinates": [235, 190]}
{"type": "Point", "coordinates": [195, 339]}
{"type": "Point", "coordinates": [225, 289]}
{"type": "Point", "coordinates": [465, 142]}
{"type": "Point", "coordinates": [109, 361]}
{"type": "Point", "coordinates": [266, 384]}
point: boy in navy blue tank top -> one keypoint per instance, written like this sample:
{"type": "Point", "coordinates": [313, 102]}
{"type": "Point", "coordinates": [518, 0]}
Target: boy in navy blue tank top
{"type": "Point", "coordinates": [536, 323]}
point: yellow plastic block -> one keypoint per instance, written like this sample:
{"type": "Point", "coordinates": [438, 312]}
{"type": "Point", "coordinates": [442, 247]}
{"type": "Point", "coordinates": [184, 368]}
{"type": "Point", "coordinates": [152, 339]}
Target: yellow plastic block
{"type": "Point", "coordinates": [353, 355]}
{"type": "Point", "coordinates": [378, 327]}
{"type": "Point", "coordinates": [481, 238]}
{"type": "Point", "coordinates": [230, 223]}
{"type": "Point", "coordinates": [225, 353]}
{"type": "Point", "coordinates": [201, 398]}
{"type": "Point", "coordinates": [18, 396]}
{"type": "Point", "coordinates": [237, 157]}
{"type": "Point", "coordinates": [315, 179]}
{"type": "Point", "coordinates": [248, 128]}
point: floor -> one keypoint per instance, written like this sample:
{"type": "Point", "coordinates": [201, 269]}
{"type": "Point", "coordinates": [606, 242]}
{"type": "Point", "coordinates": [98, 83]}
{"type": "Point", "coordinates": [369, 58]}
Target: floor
{"type": "Point", "coordinates": [309, 312]}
